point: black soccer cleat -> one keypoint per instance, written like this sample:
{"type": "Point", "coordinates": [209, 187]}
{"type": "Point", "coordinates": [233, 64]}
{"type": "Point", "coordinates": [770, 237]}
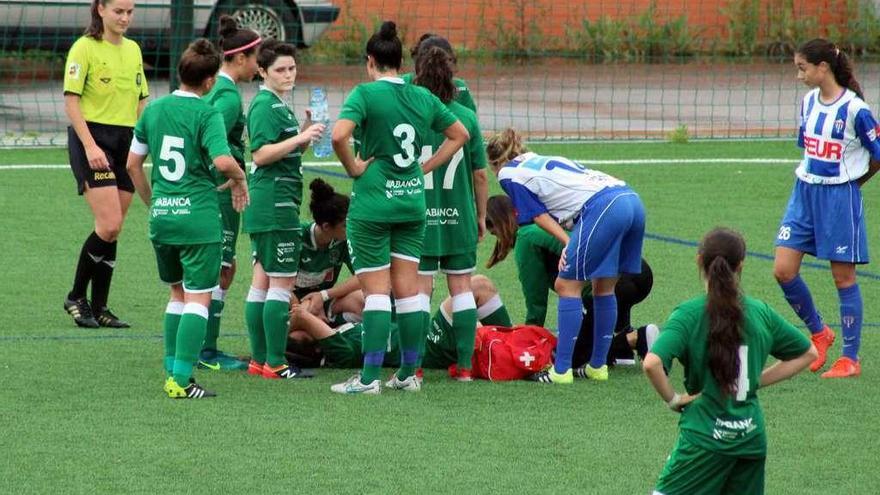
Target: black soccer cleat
{"type": "Point", "coordinates": [192, 391]}
{"type": "Point", "coordinates": [81, 311]}
{"type": "Point", "coordinates": [107, 319]}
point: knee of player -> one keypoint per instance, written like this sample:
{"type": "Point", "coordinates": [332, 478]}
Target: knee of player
{"type": "Point", "coordinates": [784, 274]}
{"type": "Point", "coordinates": [568, 288]}
{"type": "Point", "coordinates": [109, 231]}
{"type": "Point", "coordinates": [482, 287]}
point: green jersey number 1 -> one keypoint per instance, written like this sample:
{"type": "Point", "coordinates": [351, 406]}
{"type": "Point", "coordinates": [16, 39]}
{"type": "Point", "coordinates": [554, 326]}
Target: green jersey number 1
{"type": "Point", "coordinates": [742, 381]}
{"type": "Point", "coordinates": [169, 152]}
{"type": "Point", "coordinates": [449, 176]}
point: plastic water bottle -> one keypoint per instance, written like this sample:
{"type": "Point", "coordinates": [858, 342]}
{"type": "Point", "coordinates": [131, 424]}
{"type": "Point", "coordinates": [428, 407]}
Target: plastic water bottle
{"type": "Point", "coordinates": [323, 146]}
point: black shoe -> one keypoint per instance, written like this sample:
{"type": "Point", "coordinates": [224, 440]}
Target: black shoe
{"type": "Point", "coordinates": [108, 319]}
{"type": "Point", "coordinates": [620, 352]}
{"type": "Point", "coordinates": [288, 372]}
{"type": "Point", "coordinates": [81, 312]}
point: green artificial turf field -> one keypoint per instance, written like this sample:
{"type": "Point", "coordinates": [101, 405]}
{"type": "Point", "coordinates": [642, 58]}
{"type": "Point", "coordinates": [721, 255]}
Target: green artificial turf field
{"type": "Point", "coordinates": [83, 410]}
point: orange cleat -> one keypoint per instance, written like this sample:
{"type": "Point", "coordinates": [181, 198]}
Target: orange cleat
{"type": "Point", "coordinates": [255, 368]}
{"type": "Point", "coordinates": [285, 372]}
{"type": "Point", "coordinates": [822, 341]}
{"type": "Point", "coordinates": [843, 368]}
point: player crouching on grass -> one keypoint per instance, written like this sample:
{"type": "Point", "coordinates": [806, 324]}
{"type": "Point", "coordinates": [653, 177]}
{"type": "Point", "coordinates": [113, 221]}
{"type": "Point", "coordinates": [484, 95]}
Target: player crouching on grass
{"type": "Point", "coordinates": [340, 347]}
{"type": "Point", "coordinates": [186, 136]}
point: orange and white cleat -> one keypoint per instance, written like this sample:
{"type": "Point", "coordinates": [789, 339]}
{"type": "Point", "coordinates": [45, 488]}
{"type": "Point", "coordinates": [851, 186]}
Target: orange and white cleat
{"type": "Point", "coordinates": [255, 368]}
{"type": "Point", "coordinates": [843, 368]}
{"type": "Point", "coordinates": [822, 341]}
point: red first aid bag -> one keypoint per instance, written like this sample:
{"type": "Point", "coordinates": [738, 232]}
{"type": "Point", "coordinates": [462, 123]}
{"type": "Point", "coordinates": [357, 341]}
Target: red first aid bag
{"type": "Point", "coordinates": [502, 353]}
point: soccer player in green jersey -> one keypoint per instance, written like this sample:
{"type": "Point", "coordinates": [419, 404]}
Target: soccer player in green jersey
{"type": "Point", "coordinates": [455, 197]}
{"type": "Point", "coordinates": [723, 339]}
{"type": "Point", "coordinates": [272, 221]}
{"type": "Point", "coordinates": [324, 252]}
{"type": "Point", "coordinates": [340, 346]}
{"type": "Point", "coordinates": [428, 40]}
{"type": "Point", "coordinates": [239, 48]}
{"type": "Point", "coordinates": [105, 91]}
{"type": "Point", "coordinates": [386, 222]}
{"type": "Point", "coordinates": [186, 135]}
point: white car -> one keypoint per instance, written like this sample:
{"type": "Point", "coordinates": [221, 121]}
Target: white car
{"type": "Point", "coordinates": [55, 24]}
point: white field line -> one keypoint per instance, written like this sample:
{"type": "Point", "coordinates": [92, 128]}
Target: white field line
{"type": "Point", "coordinates": [635, 161]}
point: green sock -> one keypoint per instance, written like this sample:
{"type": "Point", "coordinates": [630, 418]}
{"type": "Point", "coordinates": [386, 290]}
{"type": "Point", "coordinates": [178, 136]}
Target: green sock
{"type": "Point", "coordinates": [253, 315]}
{"type": "Point", "coordinates": [464, 324]}
{"type": "Point", "coordinates": [190, 335]}
{"type": "Point", "coordinates": [377, 328]}
{"type": "Point", "coordinates": [172, 321]}
{"type": "Point", "coordinates": [410, 324]}
{"type": "Point", "coordinates": [213, 332]}
{"type": "Point", "coordinates": [426, 327]}
{"type": "Point", "coordinates": [494, 313]}
{"type": "Point", "coordinates": [275, 316]}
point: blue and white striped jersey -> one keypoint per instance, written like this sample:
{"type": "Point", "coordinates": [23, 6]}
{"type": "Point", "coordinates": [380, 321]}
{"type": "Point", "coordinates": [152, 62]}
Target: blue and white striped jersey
{"type": "Point", "coordinates": [550, 184]}
{"type": "Point", "coordinates": [838, 139]}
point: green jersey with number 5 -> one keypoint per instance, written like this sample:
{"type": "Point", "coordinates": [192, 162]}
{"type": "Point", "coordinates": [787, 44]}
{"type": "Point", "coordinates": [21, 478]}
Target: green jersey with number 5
{"type": "Point", "coordinates": [395, 121]}
{"type": "Point", "coordinates": [730, 424]}
{"type": "Point", "coordinates": [449, 191]}
{"type": "Point", "coordinates": [184, 134]}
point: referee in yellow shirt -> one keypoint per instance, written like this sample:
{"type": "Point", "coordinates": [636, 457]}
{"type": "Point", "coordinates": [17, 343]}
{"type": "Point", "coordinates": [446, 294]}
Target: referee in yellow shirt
{"type": "Point", "coordinates": [104, 92]}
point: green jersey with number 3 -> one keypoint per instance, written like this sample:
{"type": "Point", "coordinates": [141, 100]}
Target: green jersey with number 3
{"type": "Point", "coordinates": [449, 191]}
{"type": "Point", "coordinates": [727, 424]}
{"type": "Point", "coordinates": [184, 134]}
{"type": "Point", "coordinates": [395, 122]}
{"type": "Point", "coordinates": [275, 188]}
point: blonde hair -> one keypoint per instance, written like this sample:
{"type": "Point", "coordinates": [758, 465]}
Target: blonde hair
{"type": "Point", "coordinates": [503, 147]}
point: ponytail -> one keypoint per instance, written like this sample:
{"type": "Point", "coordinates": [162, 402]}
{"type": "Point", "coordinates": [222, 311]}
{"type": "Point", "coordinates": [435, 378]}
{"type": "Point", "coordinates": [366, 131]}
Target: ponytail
{"type": "Point", "coordinates": [820, 50]}
{"type": "Point", "coordinates": [385, 47]}
{"type": "Point", "coordinates": [234, 40]}
{"type": "Point", "coordinates": [501, 222]}
{"type": "Point", "coordinates": [844, 74]}
{"type": "Point", "coordinates": [434, 69]}
{"type": "Point", "coordinates": [721, 253]}
{"type": "Point", "coordinates": [96, 25]}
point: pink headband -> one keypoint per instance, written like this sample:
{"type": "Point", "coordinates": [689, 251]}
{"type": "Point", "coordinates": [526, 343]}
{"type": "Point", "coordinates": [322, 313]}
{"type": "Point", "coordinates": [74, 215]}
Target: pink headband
{"type": "Point", "coordinates": [245, 47]}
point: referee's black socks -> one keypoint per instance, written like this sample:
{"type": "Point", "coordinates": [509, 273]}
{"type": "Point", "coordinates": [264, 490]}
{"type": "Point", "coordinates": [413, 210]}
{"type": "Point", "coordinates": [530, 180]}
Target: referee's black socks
{"type": "Point", "coordinates": [96, 260]}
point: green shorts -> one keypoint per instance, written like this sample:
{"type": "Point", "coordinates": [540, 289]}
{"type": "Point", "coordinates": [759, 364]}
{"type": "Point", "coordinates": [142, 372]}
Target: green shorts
{"type": "Point", "coordinates": [344, 348]}
{"type": "Point", "coordinates": [440, 349]}
{"type": "Point", "coordinates": [196, 265]}
{"type": "Point", "coordinates": [693, 470]}
{"type": "Point", "coordinates": [371, 245]}
{"type": "Point", "coordinates": [231, 221]}
{"type": "Point", "coordinates": [277, 251]}
{"type": "Point", "coordinates": [453, 264]}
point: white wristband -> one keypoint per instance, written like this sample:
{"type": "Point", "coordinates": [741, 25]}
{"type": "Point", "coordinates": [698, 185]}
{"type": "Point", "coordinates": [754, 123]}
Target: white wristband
{"type": "Point", "coordinates": [674, 401]}
{"type": "Point", "coordinates": [325, 296]}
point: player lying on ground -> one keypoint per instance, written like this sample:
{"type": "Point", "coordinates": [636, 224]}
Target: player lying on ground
{"type": "Point", "coordinates": [340, 347]}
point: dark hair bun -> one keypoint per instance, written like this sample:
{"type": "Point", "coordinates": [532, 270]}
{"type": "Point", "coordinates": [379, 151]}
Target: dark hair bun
{"type": "Point", "coordinates": [203, 47]}
{"type": "Point", "coordinates": [321, 191]}
{"type": "Point", "coordinates": [228, 26]}
{"type": "Point", "coordinates": [388, 31]}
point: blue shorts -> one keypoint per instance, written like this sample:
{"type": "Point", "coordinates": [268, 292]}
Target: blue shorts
{"type": "Point", "coordinates": [827, 221]}
{"type": "Point", "coordinates": [607, 239]}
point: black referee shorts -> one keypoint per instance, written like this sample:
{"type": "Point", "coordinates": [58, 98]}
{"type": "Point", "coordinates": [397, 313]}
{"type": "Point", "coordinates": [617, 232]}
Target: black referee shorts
{"type": "Point", "coordinates": [115, 141]}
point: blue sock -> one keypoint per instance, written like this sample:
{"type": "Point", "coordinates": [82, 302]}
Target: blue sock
{"type": "Point", "coordinates": [798, 296]}
{"type": "Point", "coordinates": [569, 317]}
{"type": "Point", "coordinates": [851, 320]}
{"type": "Point", "coordinates": [604, 319]}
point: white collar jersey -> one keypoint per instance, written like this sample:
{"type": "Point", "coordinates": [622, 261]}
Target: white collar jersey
{"type": "Point", "coordinates": [551, 184]}
{"type": "Point", "coordinates": [839, 139]}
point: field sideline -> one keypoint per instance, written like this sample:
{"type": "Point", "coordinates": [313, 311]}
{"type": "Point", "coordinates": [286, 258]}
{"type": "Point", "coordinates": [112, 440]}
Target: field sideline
{"type": "Point", "coordinates": [84, 412]}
